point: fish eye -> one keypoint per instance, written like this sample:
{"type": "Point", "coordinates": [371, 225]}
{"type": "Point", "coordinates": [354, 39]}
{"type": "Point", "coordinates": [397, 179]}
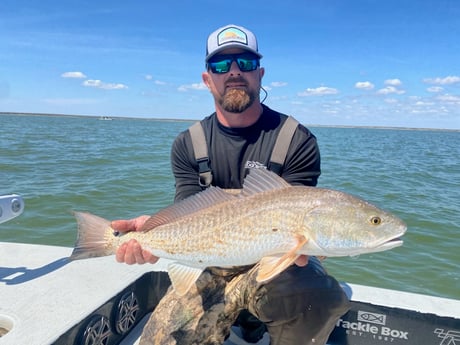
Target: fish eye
{"type": "Point", "coordinates": [376, 220]}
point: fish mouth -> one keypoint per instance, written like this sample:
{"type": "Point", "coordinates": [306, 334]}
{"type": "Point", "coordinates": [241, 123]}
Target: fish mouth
{"type": "Point", "coordinates": [381, 247]}
{"type": "Point", "coordinates": [392, 242]}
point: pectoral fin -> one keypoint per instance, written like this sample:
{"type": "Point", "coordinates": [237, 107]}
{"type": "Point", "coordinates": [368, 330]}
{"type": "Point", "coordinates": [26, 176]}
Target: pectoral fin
{"type": "Point", "coordinates": [271, 266]}
{"type": "Point", "coordinates": [183, 277]}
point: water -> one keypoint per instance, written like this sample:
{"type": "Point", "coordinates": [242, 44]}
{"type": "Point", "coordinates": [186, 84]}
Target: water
{"type": "Point", "coordinates": [120, 169]}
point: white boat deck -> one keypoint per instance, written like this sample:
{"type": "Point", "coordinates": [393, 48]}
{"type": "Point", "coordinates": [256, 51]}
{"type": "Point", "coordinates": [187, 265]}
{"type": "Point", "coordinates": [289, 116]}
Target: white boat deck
{"type": "Point", "coordinates": [43, 295]}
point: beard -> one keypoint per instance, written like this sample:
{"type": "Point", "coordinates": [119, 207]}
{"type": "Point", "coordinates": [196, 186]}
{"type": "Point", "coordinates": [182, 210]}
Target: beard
{"type": "Point", "coordinates": [237, 100]}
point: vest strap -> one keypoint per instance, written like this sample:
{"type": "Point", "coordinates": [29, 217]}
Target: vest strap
{"type": "Point", "coordinates": [282, 144]}
{"type": "Point", "coordinates": [200, 149]}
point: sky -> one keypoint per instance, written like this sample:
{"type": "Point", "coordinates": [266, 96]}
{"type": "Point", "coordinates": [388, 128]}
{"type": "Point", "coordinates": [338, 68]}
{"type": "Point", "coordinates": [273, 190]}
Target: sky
{"type": "Point", "coordinates": [329, 62]}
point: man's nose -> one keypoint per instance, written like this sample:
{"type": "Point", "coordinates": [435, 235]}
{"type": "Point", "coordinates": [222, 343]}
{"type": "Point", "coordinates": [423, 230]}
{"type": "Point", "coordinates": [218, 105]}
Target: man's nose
{"type": "Point", "coordinates": [234, 68]}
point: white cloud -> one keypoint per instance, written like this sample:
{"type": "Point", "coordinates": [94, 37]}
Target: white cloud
{"type": "Point", "coordinates": [278, 84]}
{"type": "Point", "coordinates": [423, 103]}
{"type": "Point", "coordinates": [102, 85]}
{"type": "Point", "coordinates": [93, 82]}
{"type": "Point", "coordinates": [194, 86]}
{"type": "Point", "coordinates": [435, 89]}
{"type": "Point", "coordinates": [156, 82]}
{"type": "Point", "coordinates": [319, 91]}
{"type": "Point", "coordinates": [392, 82]}
{"type": "Point", "coordinates": [364, 85]}
{"type": "Point", "coordinates": [76, 75]}
{"type": "Point", "coordinates": [443, 81]}
{"type": "Point", "coordinates": [449, 99]}
{"type": "Point", "coordinates": [390, 90]}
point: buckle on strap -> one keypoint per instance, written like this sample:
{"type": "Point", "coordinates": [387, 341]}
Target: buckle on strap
{"type": "Point", "coordinates": [204, 170]}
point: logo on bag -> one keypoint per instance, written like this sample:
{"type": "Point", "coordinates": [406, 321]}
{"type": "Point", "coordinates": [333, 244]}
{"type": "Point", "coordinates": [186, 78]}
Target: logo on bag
{"type": "Point", "coordinates": [378, 319]}
{"type": "Point", "coordinates": [373, 325]}
{"type": "Point", "coordinates": [449, 337]}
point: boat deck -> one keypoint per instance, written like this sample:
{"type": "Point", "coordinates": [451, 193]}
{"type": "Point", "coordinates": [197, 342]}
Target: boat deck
{"type": "Point", "coordinates": [43, 294]}
{"type": "Point", "coordinates": [47, 299]}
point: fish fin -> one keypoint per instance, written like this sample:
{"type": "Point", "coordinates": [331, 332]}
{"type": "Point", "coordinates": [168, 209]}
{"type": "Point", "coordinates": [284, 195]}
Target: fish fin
{"type": "Point", "coordinates": [183, 277]}
{"type": "Point", "coordinates": [207, 198]}
{"type": "Point", "coordinates": [262, 180]}
{"type": "Point", "coordinates": [271, 266]}
{"type": "Point", "coordinates": [258, 180]}
{"type": "Point", "coordinates": [91, 237]}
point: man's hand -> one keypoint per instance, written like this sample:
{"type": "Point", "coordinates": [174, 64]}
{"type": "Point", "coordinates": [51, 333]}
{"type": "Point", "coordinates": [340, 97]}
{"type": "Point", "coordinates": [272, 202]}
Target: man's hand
{"type": "Point", "coordinates": [302, 260]}
{"type": "Point", "coordinates": [131, 252]}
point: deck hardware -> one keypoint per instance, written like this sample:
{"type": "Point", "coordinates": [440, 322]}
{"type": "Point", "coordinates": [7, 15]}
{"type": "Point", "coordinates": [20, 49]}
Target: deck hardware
{"type": "Point", "coordinates": [97, 331]}
{"type": "Point", "coordinates": [127, 311]}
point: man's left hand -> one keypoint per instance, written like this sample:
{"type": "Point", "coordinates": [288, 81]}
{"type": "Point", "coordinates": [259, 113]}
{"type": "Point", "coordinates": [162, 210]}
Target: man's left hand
{"type": "Point", "coordinates": [302, 260]}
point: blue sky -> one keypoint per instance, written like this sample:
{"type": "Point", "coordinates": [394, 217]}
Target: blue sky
{"type": "Point", "coordinates": [328, 62]}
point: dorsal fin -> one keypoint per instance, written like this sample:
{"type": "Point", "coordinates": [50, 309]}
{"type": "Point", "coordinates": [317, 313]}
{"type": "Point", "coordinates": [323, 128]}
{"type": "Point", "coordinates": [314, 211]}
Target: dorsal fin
{"type": "Point", "coordinates": [194, 203]}
{"type": "Point", "coordinates": [262, 180]}
{"type": "Point", "coordinates": [257, 181]}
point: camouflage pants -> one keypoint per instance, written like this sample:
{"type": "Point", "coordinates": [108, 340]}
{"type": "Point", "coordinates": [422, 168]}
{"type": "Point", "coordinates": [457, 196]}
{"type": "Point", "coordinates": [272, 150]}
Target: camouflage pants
{"type": "Point", "coordinates": [300, 306]}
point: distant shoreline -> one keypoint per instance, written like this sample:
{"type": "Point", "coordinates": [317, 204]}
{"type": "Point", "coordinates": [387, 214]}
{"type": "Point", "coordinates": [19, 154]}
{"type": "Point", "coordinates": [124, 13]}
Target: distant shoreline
{"type": "Point", "coordinates": [97, 117]}
{"type": "Point", "coordinates": [193, 120]}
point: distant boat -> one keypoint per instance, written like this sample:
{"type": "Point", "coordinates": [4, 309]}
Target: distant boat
{"type": "Point", "coordinates": [105, 118]}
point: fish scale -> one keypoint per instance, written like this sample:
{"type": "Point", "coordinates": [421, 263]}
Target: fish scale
{"type": "Point", "coordinates": [270, 226]}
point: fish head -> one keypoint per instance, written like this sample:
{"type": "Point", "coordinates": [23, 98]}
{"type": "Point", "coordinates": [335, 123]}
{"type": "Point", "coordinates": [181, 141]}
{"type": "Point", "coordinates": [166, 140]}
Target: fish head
{"type": "Point", "coordinates": [341, 225]}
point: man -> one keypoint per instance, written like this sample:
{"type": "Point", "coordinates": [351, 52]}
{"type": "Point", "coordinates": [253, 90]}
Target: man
{"type": "Point", "coordinates": [303, 303]}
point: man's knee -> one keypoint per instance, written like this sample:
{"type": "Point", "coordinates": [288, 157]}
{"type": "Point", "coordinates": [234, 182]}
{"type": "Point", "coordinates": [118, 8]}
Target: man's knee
{"type": "Point", "coordinates": [300, 290]}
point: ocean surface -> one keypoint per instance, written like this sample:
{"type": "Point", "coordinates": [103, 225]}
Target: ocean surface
{"type": "Point", "coordinates": [120, 169]}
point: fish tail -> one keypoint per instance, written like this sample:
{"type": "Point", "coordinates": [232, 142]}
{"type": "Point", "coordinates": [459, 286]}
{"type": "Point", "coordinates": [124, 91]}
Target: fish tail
{"type": "Point", "coordinates": [91, 239]}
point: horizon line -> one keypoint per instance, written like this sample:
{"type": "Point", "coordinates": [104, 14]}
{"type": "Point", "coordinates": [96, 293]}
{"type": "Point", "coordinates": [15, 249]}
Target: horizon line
{"type": "Point", "coordinates": [194, 120]}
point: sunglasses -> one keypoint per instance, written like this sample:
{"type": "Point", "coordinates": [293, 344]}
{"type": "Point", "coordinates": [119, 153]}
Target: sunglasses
{"type": "Point", "coordinates": [221, 63]}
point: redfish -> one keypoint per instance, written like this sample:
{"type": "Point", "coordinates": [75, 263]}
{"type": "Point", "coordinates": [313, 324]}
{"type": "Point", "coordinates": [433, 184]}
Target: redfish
{"type": "Point", "coordinates": [269, 223]}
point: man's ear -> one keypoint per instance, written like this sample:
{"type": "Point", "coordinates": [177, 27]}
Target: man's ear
{"type": "Point", "coordinates": [261, 73]}
{"type": "Point", "coordinates": [206, 79]}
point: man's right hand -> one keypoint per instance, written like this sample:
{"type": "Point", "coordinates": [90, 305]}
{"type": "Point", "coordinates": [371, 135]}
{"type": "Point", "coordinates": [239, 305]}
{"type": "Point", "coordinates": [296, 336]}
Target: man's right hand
{"type": "Point", "coordinates": [131, 252]}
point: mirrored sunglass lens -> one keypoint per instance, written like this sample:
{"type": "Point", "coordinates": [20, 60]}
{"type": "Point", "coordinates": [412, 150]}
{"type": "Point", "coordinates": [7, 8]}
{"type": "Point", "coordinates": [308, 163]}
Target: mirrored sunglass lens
{"type": "Point", "coordinates": [247, 64]}
{"type": "Point", "coordinates": [222, 66]}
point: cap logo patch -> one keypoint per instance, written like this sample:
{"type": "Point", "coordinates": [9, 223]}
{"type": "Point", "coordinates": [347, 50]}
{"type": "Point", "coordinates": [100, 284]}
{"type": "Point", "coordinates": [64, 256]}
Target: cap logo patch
{"type": "Point", "coordinates": [232, 35]}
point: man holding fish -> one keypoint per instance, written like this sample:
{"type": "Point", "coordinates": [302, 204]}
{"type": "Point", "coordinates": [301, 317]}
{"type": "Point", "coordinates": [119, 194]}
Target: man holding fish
{"type": "Point", "coordinates": [238, 241]}
{"type": "Point", "coordinates": [301, 304]}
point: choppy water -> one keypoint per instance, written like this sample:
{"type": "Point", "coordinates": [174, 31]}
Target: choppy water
{"type": "Point", "coordinates": [120, 169]}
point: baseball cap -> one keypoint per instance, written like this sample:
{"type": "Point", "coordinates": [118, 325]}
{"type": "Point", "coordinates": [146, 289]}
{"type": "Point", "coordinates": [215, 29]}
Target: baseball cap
{"type": "Point", "coordinates": [231, 36]}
